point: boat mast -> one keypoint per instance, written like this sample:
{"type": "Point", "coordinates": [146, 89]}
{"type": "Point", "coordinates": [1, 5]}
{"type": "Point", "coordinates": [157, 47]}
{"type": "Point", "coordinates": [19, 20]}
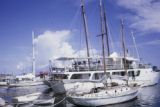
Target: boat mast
{"type": "Point", "coordinates": [50, 67]}
{"type": "Point", "coordinates": [33, 55]}
{"type": "Point", "coordinates": [134, 41]}
{"type": "Point", "coordinates": [102, 35]}
{"type": "Point", "coordinates": [86, 30]}
{"type": "Point", "coordinates": [106, 31]}
{"type": "Point", "coordinates": [123, 47]}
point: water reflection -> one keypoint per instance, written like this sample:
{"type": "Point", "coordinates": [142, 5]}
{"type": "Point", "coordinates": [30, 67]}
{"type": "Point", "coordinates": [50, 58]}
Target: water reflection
{"type": "Point", "coordinates": [148, 97]}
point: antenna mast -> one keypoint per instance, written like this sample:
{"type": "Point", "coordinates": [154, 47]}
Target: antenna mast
{"type": "Point", "coordinates": [86, 30]}
{"type": "Point", "coordinates": [33, 55]}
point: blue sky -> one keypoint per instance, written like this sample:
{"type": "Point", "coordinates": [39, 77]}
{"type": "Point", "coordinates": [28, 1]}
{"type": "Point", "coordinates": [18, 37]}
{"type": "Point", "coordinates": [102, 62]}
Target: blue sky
{"type": "Point", "coordinates": [59, 22]}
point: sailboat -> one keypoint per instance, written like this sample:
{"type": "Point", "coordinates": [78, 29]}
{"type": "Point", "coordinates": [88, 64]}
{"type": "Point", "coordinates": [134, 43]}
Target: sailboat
{"type": "Point", "coordinates": [109, 94]}
{"type": "Point", "coordinates": [28, 79]}
{"type": "Point", "coordinates": [105, 97]}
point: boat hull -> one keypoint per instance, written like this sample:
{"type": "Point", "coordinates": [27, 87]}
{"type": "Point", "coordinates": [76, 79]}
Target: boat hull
{"type": "Point", "coordinates": [44, 102]}
{"type": "Point", "coordinates": [147, 78]}
{"type": "Point", "coordinates": [24, 84]}
{"type": "Point", "coordinates": [3, 84]}
{"type": "Point", "coordinates": [99, 101]}
{"type": "Point", "coordinates": [78, 87]}
{"type": "Point", "coordinates": [26, 98]}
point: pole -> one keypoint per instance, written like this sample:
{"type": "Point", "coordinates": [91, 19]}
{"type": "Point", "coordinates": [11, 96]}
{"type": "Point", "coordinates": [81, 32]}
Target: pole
{"type": "Point", "coordinates": [124, 48]}
{"type": "Point", "coordinates": [134, 41]}
{"type": "Point", "coordinates": [106, 31]}
{"type": "Point", "coordinates": [86, 30]}
{"type": "Point", "coordinates": [33, 55]}
{"type": "Point", "coordinates": [102, 31]}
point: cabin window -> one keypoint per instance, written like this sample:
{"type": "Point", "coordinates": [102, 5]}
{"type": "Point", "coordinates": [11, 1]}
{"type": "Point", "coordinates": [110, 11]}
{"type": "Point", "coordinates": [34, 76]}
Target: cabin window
{"type": "Point", "coordinates": [84, 62]}
{"type": "Point", "coordinates": [122, 73]}
{"type": "Point", "coordinates": [131, 73]}
{"type": "Point", "coordinates": [59, 76]}
{"type": "Point", "coordinates": [58, 69]}
{"type": "Point", "coordinates": [80, 76]}
{"type": "Point", "coordinates": [98, 76]}
{"type": "Point", "coordinates": [137, 73]}
{"type": "Point", "coordinates": [79, 63]}
{"type": "Point", "coordinates": [115, 73]}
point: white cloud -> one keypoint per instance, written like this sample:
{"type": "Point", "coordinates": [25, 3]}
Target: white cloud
{"type": "Point", "coordinates": [145, 16]}
{"type": "Point", "coordinates": [24, 65]}
{"type": "Point", "coordinates": [82, 53]}
{"type": "Point", "coordinates": [53, 44]}
{"type": "Point", "coordinates": [20, 66]}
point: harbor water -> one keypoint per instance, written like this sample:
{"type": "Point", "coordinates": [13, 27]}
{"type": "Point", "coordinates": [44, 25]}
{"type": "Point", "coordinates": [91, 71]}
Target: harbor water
{"type": "Point", "coordinates": [148, 97]}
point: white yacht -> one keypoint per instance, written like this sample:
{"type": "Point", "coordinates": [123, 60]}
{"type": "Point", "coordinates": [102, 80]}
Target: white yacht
{"type": "Point", "coordinates": [91, 68]}
{"type": "Point", "coordinates": [76, 69]}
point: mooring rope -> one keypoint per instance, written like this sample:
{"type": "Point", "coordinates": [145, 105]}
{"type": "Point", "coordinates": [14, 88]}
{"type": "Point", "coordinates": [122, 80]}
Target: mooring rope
{"type": "Point", "coordinates": [60, 101]}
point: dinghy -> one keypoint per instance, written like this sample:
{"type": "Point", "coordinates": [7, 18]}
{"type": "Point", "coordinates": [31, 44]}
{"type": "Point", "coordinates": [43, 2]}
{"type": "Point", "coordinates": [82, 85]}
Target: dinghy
{"type": "Point", "coordinates": [25, 83]}
{"type": "Point", "coordinates": [2, 102]}
{"type": "Point", "coordinates": [26, 98]}
{"type": "Point", "coordinates": [44, 101]}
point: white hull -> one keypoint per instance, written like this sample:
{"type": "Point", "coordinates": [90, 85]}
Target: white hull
{"type": "Point", "coordinates": [78, 87]}
{"type": "Point", "coordinates": [26, 98]}
{"type": "Point", "coordinates": [2, 102]}
{"type": "Point", "coordinates": [102, 99]}
{"type": "Point", "coordinates": [3, 83]}
{"type": "Point", "coordinates": [44, 102]}
{"type": "Point", "coordinates": [25, 83]}
{"type": "Point", "coordinates": [148, 77]}
{"type": "Point", "coordinates": [82, 87]}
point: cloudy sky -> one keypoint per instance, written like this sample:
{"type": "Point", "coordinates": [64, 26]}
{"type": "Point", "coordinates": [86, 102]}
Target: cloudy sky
{"type": "Point", "coordinates": [58, 30]}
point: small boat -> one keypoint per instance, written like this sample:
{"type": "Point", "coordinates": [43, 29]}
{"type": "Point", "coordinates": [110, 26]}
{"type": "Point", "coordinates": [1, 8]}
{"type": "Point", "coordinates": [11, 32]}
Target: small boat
{"type": "Point", "coordinates": [44, 101]}
{"type": "Point", "coordinates": [25, 83]}
{"type": "Point", "coordinates": [26, 98]}
{"type": "Point", "coordinates": [104, 96]}
{"type": "Point", "coordinates": [3, 83]}
{"type": "Point", "coordinates": [4, 80]}
{"type": "Point", "coordinates": [2, 102]}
